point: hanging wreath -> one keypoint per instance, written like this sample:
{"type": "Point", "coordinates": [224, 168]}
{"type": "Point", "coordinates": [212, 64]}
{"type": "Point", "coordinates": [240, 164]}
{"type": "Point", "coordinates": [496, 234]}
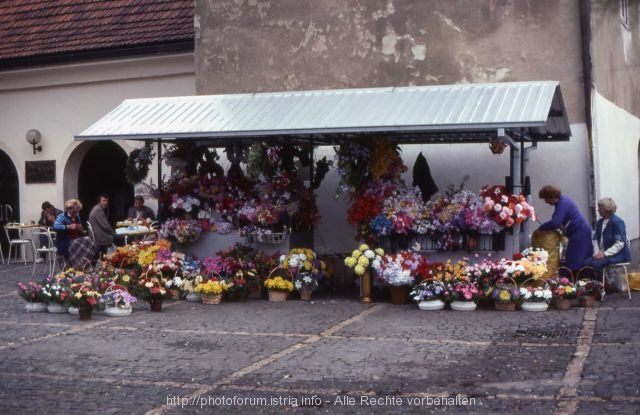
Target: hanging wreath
{"type": "Point", "coordinates": [137, 166]}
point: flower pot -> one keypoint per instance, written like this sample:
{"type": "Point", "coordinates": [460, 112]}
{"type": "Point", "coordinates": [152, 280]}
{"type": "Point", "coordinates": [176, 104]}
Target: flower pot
{"type": "Point", "coordinates": [399, 295]}
{"type": "Point", "coordinates": [431, 305]}
{"type": "Point", "coordinates": [562, 303]}
{"type": "Point", "coordinates": [587, 301]}
{"type": "Point", "coordinates": [211, 298]}
{"type": "Point", "coordinates": [85, 313]}
{"type": "Point", "coordinates": [366, 286]}
{"type": "Point", "coordinates": [502, 306]}
{"type": "Point", "coordinates": [155, 303]}
{"type": "Point", "coordinates": [278, 295]}
{"type": "Point", "coordinates": [534, 306]}
{"type": "Point", "coordinates": [117, 311]}
{"type": "Point", "coordinates": [305, 294]}
{"type": "Point", "coordinates": [56, 308]}
{"type": "Point", "coordinates": [35, 307]}
{"type": "Point", "coordinates": [463, 305]}
{"type": "Point", "coordinates": [194, 297]}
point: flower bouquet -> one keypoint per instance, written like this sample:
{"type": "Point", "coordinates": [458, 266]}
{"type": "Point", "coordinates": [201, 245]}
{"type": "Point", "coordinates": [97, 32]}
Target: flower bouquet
{"type": "Point", "coordinates": [34, 294]}
{"type": "Point", "coordinates": [54, 290]}
{"type": "Point", "coordinates": [306, 268]}
{"type": "Point", "coordinates": [150, 287]}
{"type": "Point", "coordinates": [563, 290]}
{"type": "Point", "coordinates": [505, 208]}
{"type": "Point", "coordinates": [429, 294]}
{"type": "Point", "coordinates": [212, 290]}
{"type": "Point", "coordinates": [181, 230]}
{"type": "Point", "coordinates": [364, 261]}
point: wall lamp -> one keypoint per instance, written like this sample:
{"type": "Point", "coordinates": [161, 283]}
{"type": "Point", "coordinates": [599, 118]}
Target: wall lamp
{"type": "Point", "coordinates": [33, 138]}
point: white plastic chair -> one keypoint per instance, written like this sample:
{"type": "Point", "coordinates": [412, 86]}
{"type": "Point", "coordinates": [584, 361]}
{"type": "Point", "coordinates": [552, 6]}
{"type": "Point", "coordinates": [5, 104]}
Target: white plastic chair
{"type": "Point", "coordinates": [622, 265]}
{"type": "Point", "coordinates": [19, 241]}
{"type": "Point", "coordinates": [50, 251]}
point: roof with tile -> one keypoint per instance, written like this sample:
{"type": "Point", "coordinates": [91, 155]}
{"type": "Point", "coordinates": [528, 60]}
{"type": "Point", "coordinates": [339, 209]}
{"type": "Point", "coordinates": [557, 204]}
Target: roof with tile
{"type": "Point", "coordinates": [34, 30]}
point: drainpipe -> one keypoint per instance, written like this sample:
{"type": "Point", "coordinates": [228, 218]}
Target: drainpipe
{"type": "Point", "coordinates": [587, 70]}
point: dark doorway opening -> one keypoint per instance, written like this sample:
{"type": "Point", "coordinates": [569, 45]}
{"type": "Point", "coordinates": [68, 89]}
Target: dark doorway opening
{"type": "Point", "coordinates": [102, 171]}
{"type": "Point", "coordinates": [9, 196]}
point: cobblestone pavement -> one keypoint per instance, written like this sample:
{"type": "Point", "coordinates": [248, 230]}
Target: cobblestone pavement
{"type": "Point", "coordinates": [331, 355]}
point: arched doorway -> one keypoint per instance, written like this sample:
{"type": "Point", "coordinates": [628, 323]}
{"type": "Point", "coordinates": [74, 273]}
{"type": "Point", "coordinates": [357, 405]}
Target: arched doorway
{"type": "Point", "coordinates": [9, 195]}
{"type": "Point", "coordinates": [102, 171]}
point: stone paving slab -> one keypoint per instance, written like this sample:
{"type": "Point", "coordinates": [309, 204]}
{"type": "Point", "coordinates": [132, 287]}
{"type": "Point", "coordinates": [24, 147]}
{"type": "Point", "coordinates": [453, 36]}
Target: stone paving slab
{"type": "Point", "coordinates": [612, 370]}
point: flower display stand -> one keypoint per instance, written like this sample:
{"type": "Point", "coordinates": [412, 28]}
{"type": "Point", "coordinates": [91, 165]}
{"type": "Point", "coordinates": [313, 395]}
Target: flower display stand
{"type": "Point", "coordinates": [155, 303]}
{"type": "Point", "coordinates": [366, 286]}
{"type": "Point", "coordinates": [84, 313]}
{"type": "Point", "coordinates": [399, 294]}
{"type": "Point", "coordinates": [463, 305]}
{"type": "Point", "coordinates": [534, 306]}
{"type": "Point", "coordinates": [56, 308]}
{"type": "Point", "coordinates": [211, 298]}
{"type": "Point", "coordinates": [431, 305]}
{"type": "Point", "coordinates": [278, 295]}
{"type": "Point", "coordinates": [118, 311]}
{"type": "Point", "coordinates": [562, 303]}
{"type": "Point", "coordinates": [194, 297]}
{"type": "Point", "coordinates": [35, 307]}
{"type": "Point", "coordinates": [305, 294]}
{"type": "Point", "coordinates": [504, 306]}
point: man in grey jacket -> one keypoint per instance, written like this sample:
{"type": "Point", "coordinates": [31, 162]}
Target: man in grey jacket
{"type": "Point", "coordinates": [99, 221]}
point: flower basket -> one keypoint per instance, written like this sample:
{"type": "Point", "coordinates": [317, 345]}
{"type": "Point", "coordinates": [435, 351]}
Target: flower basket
{"type": "Point", "coordinates": [431, 305]}
{"type": "Point", "coordinates": [279, 284]}
{"type": "Point", "coordinates": [56, 308]}
{"type": "Point", "coordinates": [211, 298]}
{"type": "Point", "coordinates": [562, 303]}
{"type": "Point", "coordinates": [505, 294]}
{"type": "Point", "coordinates": [589, 291]}
{"type": "Point", "coordinates": [35, 307]}
{"type": "Point", "coordinates": [118, 301]}
{"type": "Point", "coordinates": [537, 296]}
{"type": "Point", "coordinates": [502, 306]}
{"type": "Point", "coordinates": [174, 294]}
{"type": "Point", "coordinates": [305, 294]}
{"type": "Point", "coordinates": [459, 305]}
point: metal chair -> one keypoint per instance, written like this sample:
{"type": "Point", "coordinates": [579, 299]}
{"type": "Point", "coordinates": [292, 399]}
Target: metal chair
{"type": "Point", "coordinates": [623, 265]}
{"type": "Point", "coordinates": [48, 248]}
{"type": "Point", "coordinates": [20, 241]}
{"type": "Point", "coordinates": [90, 232]}
{"type": "Point", "coordinates": [6, 213]}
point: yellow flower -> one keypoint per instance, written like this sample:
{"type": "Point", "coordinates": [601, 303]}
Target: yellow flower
{"type": "Point", "coordinates": [359, 269]}
{"type": "Point", "coordinates": [505, 295]}
{"type": "Point", "coordinates": [363, 247]}
{"type": "Point", "coordinates": [350, 261]}
{"type": "Point", "coordinates": [356, 253]}
{"type": "Point", "coordinates": [364, 261]}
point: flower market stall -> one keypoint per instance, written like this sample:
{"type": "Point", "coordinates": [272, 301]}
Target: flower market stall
{"type": "Point", "coordinates": [266, 196]}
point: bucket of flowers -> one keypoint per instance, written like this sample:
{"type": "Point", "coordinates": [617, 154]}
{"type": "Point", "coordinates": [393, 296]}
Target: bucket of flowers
{"type": "Point", "coordinates": [364, 261]}
{"type": "Point", "coordinates": [212, 290]}
{"type": "Point", "coordinates": [462, 293]}
{"type": "Point", "coordinates": [82, 296]}
{"type": "Point", "coordinates": [563, 291]}
{"type": "Point", "coordinates": [536, 295]}
{"type": "Point", "coordinates": [430, 294]}
{"type": "Point", "coordinates": [306, 269]}
{"type": "Point", "coordinates": [34, 294]}
{"type": "Point", "coordinates": [117, 301]}
{"type": "Point", "coordinates": [505, 294]}
{"type": "Point", "coordinates": [150, 287]}
{"type": "Point", "coordinates": [398, 271]}
{"type": "Point", "coordinates": [279, 284]}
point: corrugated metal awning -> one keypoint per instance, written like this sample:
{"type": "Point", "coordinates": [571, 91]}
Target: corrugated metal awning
{"type": "Point", "coordinates": [443, 113]}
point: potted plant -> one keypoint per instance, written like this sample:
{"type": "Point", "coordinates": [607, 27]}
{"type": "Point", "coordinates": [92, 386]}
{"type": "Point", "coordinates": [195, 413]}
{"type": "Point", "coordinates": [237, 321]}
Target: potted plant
{"type": "Point", "coordinates": [212, 290]}
{"type": "Point", "coordinates": [463, 294]}
{"type": "Point", "coordinates": [174, 287]}
{"type": "Point", "coordinates": [535, 297]}
{"type": "Point", "coordinates": [117, 300]}
{"type": "Point", "coordinates": [563, 290]}
{"type": "Point", "coordinates": [505, 294]}
{"type": "Point", "coordinates": [82, 296]}
{"type": "Point", "coordinates": [152, 289]}
{"type": "Point", "coordinates": [305, 284]}
{"type": "Point", "coordinates": [429, 294]}
{"type": "Point", "coordinates": [364, 261]}
{"type": "Point", "coordinates": [35, 296]}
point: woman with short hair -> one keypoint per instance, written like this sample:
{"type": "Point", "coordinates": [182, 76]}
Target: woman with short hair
{"type": "Point", "coordinates": [610, 244]}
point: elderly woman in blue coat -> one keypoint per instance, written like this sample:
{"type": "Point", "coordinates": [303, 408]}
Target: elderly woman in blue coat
{"type": "Point", "coordinates": [568, 218]}
{"type": "Point", "coordinates": [610, 238]}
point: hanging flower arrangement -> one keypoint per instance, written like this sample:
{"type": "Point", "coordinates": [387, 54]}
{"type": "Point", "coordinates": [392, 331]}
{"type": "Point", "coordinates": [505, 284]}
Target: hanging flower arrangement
{"type": "Point", "coordinates": [506, 209]}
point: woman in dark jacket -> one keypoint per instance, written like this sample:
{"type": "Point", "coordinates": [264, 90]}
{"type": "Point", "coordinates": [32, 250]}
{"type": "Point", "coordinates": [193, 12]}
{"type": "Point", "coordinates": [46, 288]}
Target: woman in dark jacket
{"type": "Point", "coordinates": [68, 226]}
